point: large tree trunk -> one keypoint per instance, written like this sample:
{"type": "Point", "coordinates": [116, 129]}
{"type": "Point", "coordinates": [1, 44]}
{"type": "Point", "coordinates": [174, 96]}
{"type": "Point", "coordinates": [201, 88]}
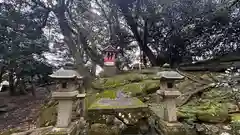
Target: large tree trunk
{"type": "Point", "coordinates": [68, 37]}
{"type": "Point", "coordinates": [1, 73]}
{"type": "Point", "coordinates": [12, 89]}
{"type": "Point", "coordinates": [21, 86]}
{"type": "Point", "coordinates": [133, 25]}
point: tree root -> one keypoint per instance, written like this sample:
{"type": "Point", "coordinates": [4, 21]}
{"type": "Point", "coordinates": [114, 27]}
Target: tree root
{"type": "Point", "coordinates": [192, 78]}
{"type": "Point", "coordinates": [213, 77]}
{"type": "Point", "coordinates": [191, 94]}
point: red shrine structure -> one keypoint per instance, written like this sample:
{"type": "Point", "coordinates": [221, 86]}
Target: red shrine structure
{"type": "Point", "coordinates": [110, 54]}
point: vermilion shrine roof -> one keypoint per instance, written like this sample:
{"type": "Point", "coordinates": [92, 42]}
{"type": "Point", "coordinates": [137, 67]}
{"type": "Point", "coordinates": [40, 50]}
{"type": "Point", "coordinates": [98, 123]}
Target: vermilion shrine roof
{"type": "Point", "coordinates": [110, 48]}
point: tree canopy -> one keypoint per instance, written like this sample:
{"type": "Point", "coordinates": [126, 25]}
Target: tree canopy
{"type": "Point", "coordinates": [165, 31]}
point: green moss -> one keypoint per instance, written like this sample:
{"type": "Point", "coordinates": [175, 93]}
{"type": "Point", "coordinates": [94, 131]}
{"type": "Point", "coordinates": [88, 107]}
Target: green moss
{"type": "Point", "coordinates": [213, 112]}
{"type": "Point", "coordinates": [150, 86]}
{"type": "Point", "coordinates": [144, 87]}
{"type": "Point", "coordinates": [133, 88]}
{"type": "Point", "coordinates": [117, 81]}
{"type": "Point", "coordinates": [218, 95]}
{"type": "Point", "coordinates": [235, 117]}
{"type": "Point", "coordinates": [107, 94]}
{"type": "Point", "coordinates": [208, 111]}
{"type": "Point", "coordinates": [91, 98]}
{"type": "Point", "coordinates": [188, 113]}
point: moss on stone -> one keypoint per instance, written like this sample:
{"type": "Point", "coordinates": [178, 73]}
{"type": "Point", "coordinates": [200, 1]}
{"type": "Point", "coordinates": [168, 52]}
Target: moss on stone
{"type": "Point", "coordinates": [208, 112]}
{"type": "Point", "coordinates": [107, 94]}
{"type": "Point", "coordinates": [132, 89]}
{"type": "Point", "coordinates": [144, 87]}
{"type": "Point", "coordinates": [218, 95]}
{"type": "Point", "coordinates": [135, 103]}
{"type": "Point", "coordinates": [151, 86]}
{"type": "Point", "coordinates": [117, 81]}
{"type": "Point", "coordinates": [213, 112]}
{"type": "Point", "coordinates": [235, 117]}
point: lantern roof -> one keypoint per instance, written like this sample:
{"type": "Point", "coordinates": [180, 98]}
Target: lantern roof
{"type": "Point", "coordinates": [166, 65]}
{"type": "Point", "coordinates": [110, 48]}
{"type": "Point", "coordinates": [169, 75]}
{"type": "Point", "coordinates": [66, 74]}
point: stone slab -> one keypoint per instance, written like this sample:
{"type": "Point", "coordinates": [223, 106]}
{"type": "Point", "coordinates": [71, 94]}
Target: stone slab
{"type": "Point", "coordinates": [169, 75]}
{"type": "Point", "coordinates": [81, 95]}
{"type": "Point", "coordinates": [65, 95]}
{"type": "Point", "coordinates": [171, 93]}
{"type": "Point", "coordinates": [122, 103]}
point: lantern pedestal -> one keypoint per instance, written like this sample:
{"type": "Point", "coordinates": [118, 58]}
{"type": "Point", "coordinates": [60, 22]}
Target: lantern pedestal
{"type": "Point", "coordinates": [72, 129]}
{"type": "Point", "coordinates": [175, 128]}
{"type": "Point", "coordinates": [65, 105]}
{"type": "Point", "coordinates": [170, 110]}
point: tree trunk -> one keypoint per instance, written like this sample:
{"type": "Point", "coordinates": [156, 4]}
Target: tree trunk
{"type": "Point", "coordinates": [33, 87]}
{"type": "Point", "coordinates": [142, 44]}
{"type": "Point", "coordinates": [1, 73]}
{"type": "Point", "coordinates": [68, 37]}
{"type": "Point", "coordinates": [22, 87]}
{"type": "Point", "coordinates": [12, 89]}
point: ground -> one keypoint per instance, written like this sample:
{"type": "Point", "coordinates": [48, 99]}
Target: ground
{"type": "Point", "coordinates": [23, 111]}
{"type": "Point", "coordinates": [209, 107]}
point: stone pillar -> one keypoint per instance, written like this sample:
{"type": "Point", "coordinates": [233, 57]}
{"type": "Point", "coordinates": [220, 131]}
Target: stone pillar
{"type": "Point", "coordinates": [81, 97]}
{"type": "Point", "coordinates": [169, 124]}
{"type": "Point", "coordinates": [159, 96]}
{"type": "Point", "coordinates": [169, 97]}
{"type": "Point", "coordinates": [65, 104]}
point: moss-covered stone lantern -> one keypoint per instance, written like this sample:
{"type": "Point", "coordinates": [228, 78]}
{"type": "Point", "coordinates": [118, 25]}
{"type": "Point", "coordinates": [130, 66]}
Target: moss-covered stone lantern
{"type": "Point", "coordinates": [110, 55]}
{"type": "Point", "coordinates": [66, 93]}
{"type": "Point", "coordinates": [66, 80]}
{"type": "Point", "coordinates": [169, 93]}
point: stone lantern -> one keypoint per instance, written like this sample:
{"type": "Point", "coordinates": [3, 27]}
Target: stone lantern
{"type": "Point", "coordinates": [66, 93]}
{"type": "Point", "coordinates": [110, 55]}
{"type": "Point", "coordinates": [169, 93]}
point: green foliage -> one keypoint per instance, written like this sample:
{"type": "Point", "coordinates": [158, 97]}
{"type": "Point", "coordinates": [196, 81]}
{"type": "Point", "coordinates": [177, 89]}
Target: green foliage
{"type": "Point", "coordinates": [22, 42]}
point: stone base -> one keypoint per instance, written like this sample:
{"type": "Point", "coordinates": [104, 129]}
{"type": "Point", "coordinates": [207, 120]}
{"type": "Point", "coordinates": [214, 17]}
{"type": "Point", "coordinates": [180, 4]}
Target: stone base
{"type": "Point", "coordinates": [72, 129]}
{"type": "Point", "coordinates": [109, 71]}
{"type": "Point", "coordinates": [175, 128]}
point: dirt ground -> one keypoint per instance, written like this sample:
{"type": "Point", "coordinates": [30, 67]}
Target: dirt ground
{"type": "Point", "coordinates": [23, 110]}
